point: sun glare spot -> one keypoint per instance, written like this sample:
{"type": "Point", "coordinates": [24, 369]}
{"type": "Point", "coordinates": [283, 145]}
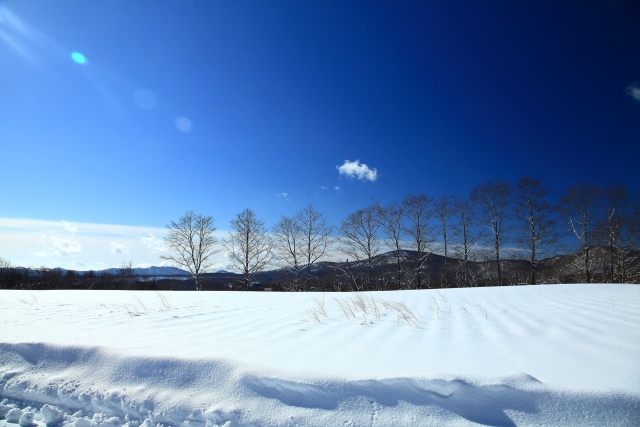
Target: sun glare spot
{"type": "Point", "coordinates": [78, 58]}
{"type": "Point", "coordinates": [183, 124]}
{"type": "Point", "coordinates": [145, 99]}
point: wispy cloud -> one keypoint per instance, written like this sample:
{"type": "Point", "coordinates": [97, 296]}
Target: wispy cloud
{"type": "Point", "coordinates": [70, 227]}
{"type": "Point", "coordinates": [283, 195]}
{"type": "Point", "coordinates": [633, 90]}
{"type": "Point", "coordinates": [154, 243]}
{"type": "Point", "coordinates": [357, 170]}
{"type": "Point", "coordinates": [77, 265]}
{"type": "Point", "coordinates": [118, 248]}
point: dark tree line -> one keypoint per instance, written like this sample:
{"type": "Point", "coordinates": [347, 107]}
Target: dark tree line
{"type": "Point", "coordinates": [124, 278]}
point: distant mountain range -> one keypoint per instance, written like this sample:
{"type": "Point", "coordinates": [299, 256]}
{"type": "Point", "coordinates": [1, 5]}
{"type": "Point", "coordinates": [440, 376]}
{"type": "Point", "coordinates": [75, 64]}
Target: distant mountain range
{"type": "Point", "coordinates": [555, 268]}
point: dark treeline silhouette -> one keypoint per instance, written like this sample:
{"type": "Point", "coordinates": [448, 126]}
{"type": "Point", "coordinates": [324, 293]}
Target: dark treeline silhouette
{"type": "Point", "coordinates": [501, 234]}
{"type": "Point", "coordinates": [57, 278]}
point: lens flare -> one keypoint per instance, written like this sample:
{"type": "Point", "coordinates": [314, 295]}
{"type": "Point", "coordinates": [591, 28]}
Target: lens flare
{"type": "Point", "coordinates": [78, 58]}
{"type": "Point", "coordinates": [183, 124]}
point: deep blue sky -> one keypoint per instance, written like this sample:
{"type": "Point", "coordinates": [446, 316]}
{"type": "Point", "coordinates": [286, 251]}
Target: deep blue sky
{"type": "Point", "coordinates": [219, 106]}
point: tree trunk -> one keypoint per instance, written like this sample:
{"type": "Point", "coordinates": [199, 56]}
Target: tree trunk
{"type": "Point", "coordinates": [587, 270]}
{"type": "Point", "coordinates": [498, 260]}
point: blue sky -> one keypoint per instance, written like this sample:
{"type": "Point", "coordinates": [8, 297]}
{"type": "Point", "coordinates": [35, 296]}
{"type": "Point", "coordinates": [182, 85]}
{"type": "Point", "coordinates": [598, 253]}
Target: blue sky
{"type": "Point", "coordinates": [119, 113]}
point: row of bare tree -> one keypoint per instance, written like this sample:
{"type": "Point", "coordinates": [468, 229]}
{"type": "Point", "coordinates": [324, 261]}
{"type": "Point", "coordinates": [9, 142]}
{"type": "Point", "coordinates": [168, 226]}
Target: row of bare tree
{"type": "Point", "coordinates": [520, 221]}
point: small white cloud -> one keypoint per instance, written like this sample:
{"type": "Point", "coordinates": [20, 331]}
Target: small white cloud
{"type": "Point", "coordinates": [77, 264]}
{"type": "Point", "coordinates": [337, 188]}
{"type": "Point", "coordinates": [283, 195]}
{"type": "Point", "coordinates": [633, 90]}
{"type": "Point", "coordinates": [65, 246]}
{"type": "Point", "coordinates": [118, 248]}
{"type": "Point", "coordinates": [69, 227]}
{"type": "Point", "coordinates": [358, 170]}
{"type": "Point", "coordinates": [323, 188]}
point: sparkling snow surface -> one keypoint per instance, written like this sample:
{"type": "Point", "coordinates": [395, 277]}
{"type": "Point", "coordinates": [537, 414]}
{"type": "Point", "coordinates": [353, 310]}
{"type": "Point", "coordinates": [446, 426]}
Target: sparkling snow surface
{"type": "Point", "coordinates": [530, 355]}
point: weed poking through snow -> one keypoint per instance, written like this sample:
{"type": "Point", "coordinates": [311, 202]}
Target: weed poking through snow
{"type": "Point", "coordinates": [139, 308]}
{"type": "Point", "coordinates": [319, 311]}
{"type": "Point", "coordinates": [365, 308]}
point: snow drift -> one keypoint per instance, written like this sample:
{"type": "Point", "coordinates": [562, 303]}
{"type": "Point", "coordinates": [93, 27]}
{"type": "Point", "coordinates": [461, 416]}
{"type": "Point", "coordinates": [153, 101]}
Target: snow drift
{"type": "Point", "coordinates": [532, 355]}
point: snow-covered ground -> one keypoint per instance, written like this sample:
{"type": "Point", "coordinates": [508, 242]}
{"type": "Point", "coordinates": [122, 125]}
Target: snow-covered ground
{"type": "Point", "coordinates": [532, 355]}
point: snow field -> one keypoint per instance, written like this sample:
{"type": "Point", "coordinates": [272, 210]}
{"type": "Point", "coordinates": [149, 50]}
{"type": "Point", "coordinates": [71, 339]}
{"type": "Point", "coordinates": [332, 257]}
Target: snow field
{"type": "Point", "coordinates": [531, 355]}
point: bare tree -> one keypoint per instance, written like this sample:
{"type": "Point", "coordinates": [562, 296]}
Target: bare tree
{"type": "Point", "coordinates": [5, 273]}
{"type": "Point", "coordinates": [287, 239]}
{"type": "Point", "coordinates": [360, 240]}
{"type": "Point", "coordinates": [420, 231]}
{"type": "Point", "coordinates": [391, 220]}
{"type": "Point", "coordinates": [629, 245]}
{"type": "Point", "coordinates": [302, 240]}
{"type": "Point", "coordinates": [580, 207]}
{"type": "Point", "coordinates": [106, 280]}
{"type": "Point", "coordinates": [464, 233]}
{"type": "Point", "coordinates": [444, 211]}
{"type": "Point", "coordinates": [5, 263]}
{"type": "Point", "coordinates": [126, 275]}
{"type": "Point", "coordinates": [620, 230]}
{"type": "Point", "coordinates": [71, 279]}
{"type": "Point", "coordinates": [610, 228]}
{"type": "Point", "coordinates": [535, 213]}
{"type": "Point", "coordinates": [249, 245]}
{"type": "Point", "coordinates": [494, 199]}
{"type": "Point", "coordinates": [192, 244]}
{"type": "Point", "coordinates": [315, 232]}
{"type": "Point", "coordinates": [88, 279]}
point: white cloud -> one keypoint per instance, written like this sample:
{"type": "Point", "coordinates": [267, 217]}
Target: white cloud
{"type": "Point", "coordinates": [69, 227]}
{"type": "Point", "coordinates": [65, 246]}
{"type": "Point", "coordinates": [165, 263]}
{"type": "Point", "coordinates": [633, 90]}
{"type": "Point", "coordinates": [118, 248]}
{"type": "Point", "coordinates": [358, 170]}
{"type": "Point", "coordinates": [337, 188]}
